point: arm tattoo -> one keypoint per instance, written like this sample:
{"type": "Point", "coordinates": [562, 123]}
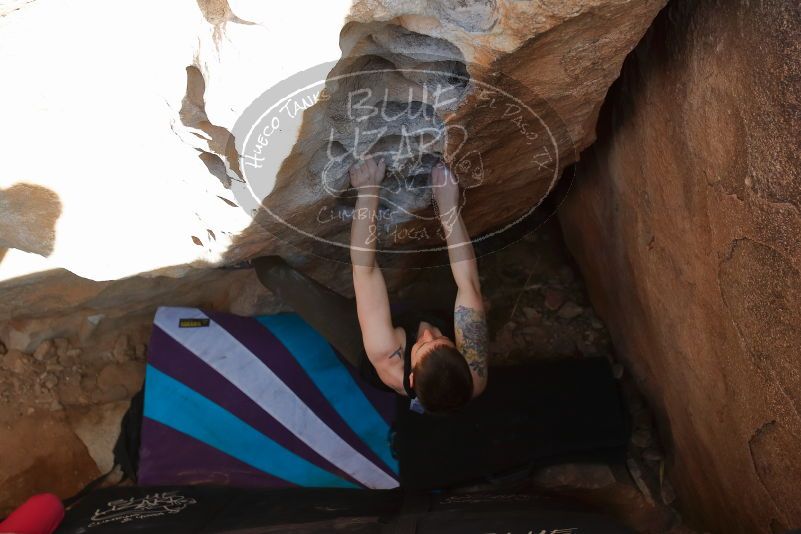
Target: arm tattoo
{"type": "Point", "coordinates": [472, 337]}
{"type": "Point", "coordinates": [397, 353]}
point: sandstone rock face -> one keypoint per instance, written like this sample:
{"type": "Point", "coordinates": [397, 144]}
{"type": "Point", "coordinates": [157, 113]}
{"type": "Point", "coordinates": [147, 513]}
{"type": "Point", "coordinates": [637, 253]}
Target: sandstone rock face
{"type": "Point", "coordinates": [122, 189]}
{"type": "Point", "coordinates": [685, 219]}
{"type": "Point", "coordinates": [506, 91]}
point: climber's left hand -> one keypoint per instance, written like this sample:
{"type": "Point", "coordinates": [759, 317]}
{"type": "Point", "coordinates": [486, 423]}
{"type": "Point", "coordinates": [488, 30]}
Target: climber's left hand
{"type": "Point", "coordinates": [367, 174]}
{"type": "Point", "coordinates": [445, 187]}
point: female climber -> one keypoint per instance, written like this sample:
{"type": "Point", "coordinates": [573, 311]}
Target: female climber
{"type": "Point", "coordinates": [441, 362]}
{"type": "Point", "coordinates": [438, 356]}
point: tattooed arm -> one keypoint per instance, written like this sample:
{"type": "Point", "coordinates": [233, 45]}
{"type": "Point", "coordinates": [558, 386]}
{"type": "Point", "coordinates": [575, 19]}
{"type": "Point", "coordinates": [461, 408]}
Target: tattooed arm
{"type": "Point", "coordinates": [469, 319]}
{"type": "Point", "coordinates": [472, 341]}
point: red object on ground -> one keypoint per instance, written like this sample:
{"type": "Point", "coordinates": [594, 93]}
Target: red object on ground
{"type": "Point", "coordinates": [40, 514]}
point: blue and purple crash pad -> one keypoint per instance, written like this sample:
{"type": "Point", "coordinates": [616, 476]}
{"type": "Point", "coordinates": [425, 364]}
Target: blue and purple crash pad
{"type": "Point", "coordinates": [260, 402]}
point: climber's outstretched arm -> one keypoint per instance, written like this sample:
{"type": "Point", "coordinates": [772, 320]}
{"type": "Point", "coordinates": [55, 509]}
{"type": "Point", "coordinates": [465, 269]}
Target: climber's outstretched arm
{"type": "Point", "coordinates": [372, 301]}
{"type": "Point", "coordinates": [469, 319]}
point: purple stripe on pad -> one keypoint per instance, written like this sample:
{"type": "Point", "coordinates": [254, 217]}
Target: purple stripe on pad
{"type": "Point", "coordinates": [169, 457]}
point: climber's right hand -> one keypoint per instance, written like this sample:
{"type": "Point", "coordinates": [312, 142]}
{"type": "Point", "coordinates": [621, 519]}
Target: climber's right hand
{"type": "Point", "coordinates": [446, 187]}
{"type": "Point", "coordinates": [367, 174]}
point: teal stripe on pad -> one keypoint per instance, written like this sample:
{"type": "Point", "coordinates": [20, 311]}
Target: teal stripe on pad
{"type": "Point", "coordinates": [173, 404]}
{"type": "Point", "coordinates": [334, 381]}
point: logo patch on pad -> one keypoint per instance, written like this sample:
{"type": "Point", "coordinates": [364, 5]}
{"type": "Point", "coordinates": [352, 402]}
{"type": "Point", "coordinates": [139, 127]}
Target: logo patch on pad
{"type": "Point", "coordinates": [192, 323]}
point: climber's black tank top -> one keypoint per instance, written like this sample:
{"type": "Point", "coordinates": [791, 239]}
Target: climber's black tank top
{"type": "Point", "coordinates": [410, 322]}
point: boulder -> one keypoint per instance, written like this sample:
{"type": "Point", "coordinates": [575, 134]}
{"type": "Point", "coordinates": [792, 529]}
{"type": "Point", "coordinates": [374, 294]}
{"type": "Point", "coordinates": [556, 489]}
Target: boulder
{"type": "Point", "coordinates": [685, 219]}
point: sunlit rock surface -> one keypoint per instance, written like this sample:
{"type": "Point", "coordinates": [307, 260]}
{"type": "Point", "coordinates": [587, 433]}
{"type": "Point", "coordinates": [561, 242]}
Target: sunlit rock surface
{"type": "Point", "coordinates": [99, 114]}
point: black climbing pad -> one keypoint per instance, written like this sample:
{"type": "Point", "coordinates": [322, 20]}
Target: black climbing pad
{"type": "Point", "coordinates": [206, 510]}
{"type": "Point", "coordinates": [534, 415]}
